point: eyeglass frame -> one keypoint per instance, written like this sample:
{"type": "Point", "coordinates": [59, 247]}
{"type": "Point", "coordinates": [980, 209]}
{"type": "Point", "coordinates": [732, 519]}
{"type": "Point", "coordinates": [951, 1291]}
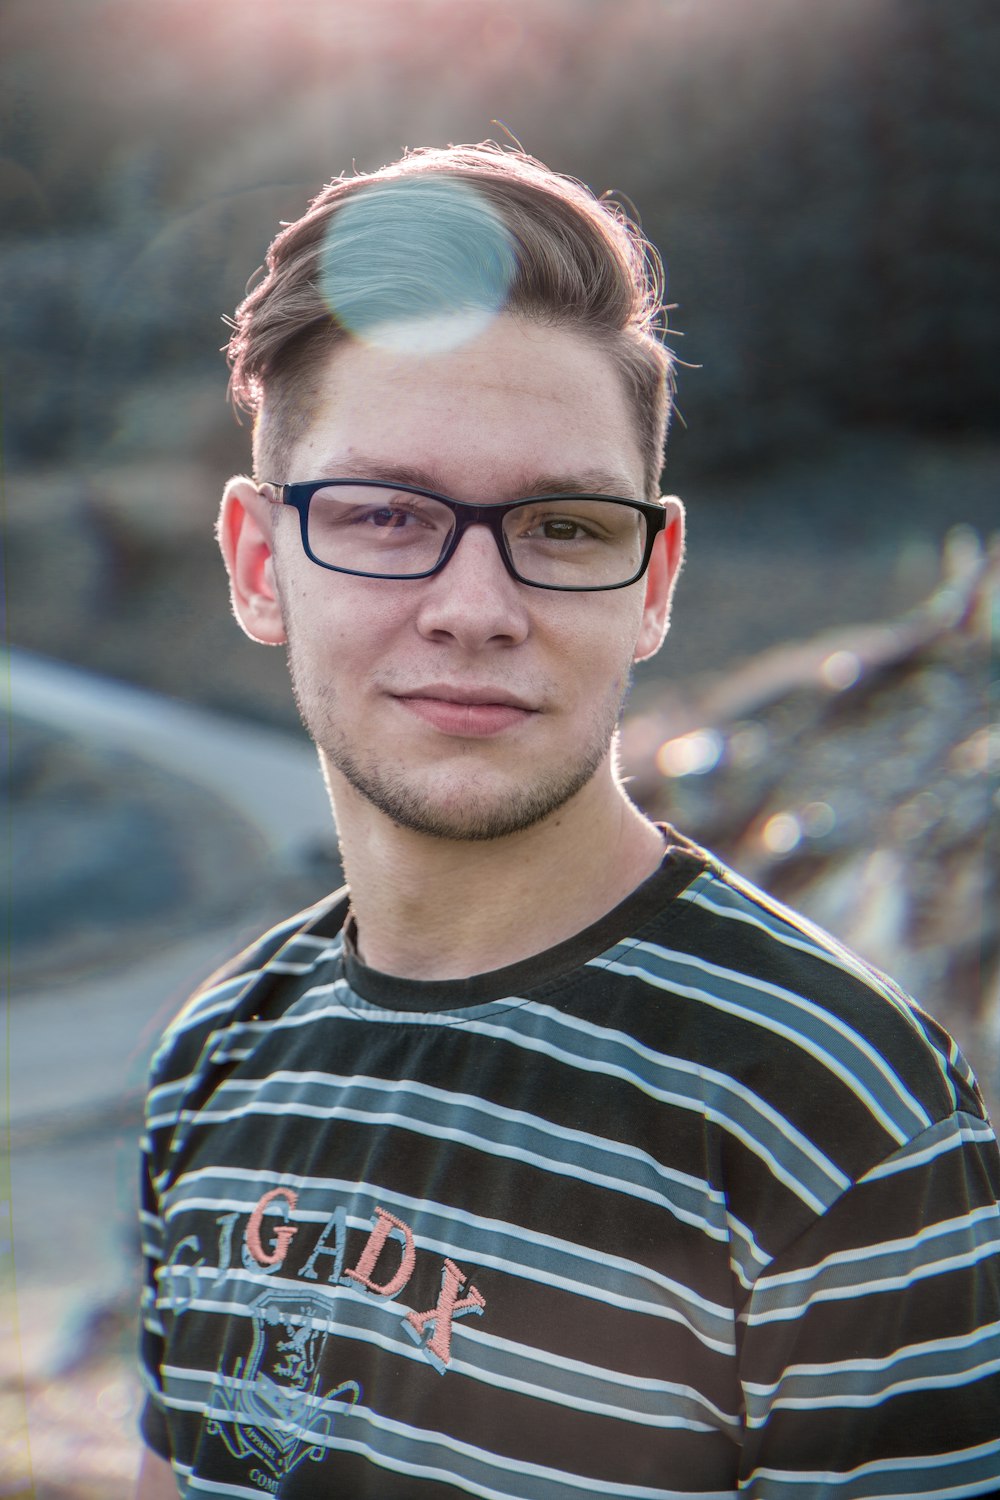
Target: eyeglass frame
{"type": "Point", "coordinates": [300, 494]}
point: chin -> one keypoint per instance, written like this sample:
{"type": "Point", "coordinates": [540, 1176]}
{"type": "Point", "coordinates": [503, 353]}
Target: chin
{"type": "Point", "coordinates": [474, 814]}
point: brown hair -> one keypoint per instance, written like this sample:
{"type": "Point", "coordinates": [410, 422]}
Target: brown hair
{"type": "Point", "coordinates": [563, 257]}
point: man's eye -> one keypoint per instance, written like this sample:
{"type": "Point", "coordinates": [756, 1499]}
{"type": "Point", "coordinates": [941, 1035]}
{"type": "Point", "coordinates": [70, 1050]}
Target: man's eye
{"type": "Point", "coordinates": [386, 516]}
{"type": "Point", "coordinates": [560, 529]}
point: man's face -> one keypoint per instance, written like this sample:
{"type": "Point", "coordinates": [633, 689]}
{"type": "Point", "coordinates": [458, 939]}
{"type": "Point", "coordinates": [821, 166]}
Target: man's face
{"type": "Point", "coordinates": [467, 705]}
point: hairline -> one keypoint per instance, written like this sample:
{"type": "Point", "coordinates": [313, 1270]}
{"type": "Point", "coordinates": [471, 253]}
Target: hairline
{"type": "Point", "coordinates": [292, 419]}
{"type": "Point", "coordinates": [564, 231]}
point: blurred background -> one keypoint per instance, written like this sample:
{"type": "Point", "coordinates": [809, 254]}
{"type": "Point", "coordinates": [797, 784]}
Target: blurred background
{"type": "Point", "coordinates": [822, 181]}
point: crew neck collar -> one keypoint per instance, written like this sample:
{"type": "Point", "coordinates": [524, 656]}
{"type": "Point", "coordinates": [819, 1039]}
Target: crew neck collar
{"type": "Point", "coordinates": [682, 862]}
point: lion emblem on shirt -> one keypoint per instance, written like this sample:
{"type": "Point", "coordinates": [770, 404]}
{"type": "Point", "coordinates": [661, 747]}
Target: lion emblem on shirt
{"type": "Point", "coordinates": [270, 1406]}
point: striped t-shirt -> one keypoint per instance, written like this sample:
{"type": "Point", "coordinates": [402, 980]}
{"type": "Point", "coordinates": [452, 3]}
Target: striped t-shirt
{"type": "Point", "coordinates": [694, 1203]}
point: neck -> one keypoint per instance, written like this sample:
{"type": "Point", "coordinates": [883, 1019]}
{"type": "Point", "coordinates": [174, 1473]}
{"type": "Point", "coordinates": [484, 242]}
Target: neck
{"type": "Point", "coordinates": [432, 908]}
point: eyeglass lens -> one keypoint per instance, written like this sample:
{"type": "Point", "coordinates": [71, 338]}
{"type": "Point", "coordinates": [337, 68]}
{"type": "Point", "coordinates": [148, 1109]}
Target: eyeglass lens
{"type": "Point", "coordinates": [565, 543]}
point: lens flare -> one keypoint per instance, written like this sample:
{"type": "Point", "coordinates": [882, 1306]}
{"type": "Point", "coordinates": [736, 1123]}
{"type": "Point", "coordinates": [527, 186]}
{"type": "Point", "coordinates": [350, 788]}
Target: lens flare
{"type": "Point", "coordinates": [418, 266]}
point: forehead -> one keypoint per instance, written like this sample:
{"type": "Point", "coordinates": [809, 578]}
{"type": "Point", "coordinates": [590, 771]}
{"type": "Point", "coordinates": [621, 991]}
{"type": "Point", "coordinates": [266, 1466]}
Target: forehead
{"type": "Point", "coordinates": [516, 400]}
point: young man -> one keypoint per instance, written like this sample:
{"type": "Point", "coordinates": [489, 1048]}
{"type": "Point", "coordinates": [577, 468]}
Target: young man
{"type": "Point", "coordinates": [549, 1159]}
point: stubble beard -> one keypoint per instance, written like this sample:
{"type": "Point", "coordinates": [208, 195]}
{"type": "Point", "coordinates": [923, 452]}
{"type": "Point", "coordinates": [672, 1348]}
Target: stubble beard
{"type": "Point", "coordinates": [472, 816]}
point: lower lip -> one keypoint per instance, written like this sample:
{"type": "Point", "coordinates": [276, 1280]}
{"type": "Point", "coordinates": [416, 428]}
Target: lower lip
{"type": "Point", "coordinates": [471, 720]}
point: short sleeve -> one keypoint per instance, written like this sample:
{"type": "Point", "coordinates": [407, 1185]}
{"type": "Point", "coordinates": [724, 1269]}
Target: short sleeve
{"type": "Point", "coordinates": [870, 1348]}
{"type": "Point", "coordinates": [152, 1420]}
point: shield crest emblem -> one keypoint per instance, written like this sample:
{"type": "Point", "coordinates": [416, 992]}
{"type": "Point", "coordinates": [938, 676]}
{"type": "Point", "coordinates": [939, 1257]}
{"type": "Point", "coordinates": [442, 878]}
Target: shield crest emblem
{"type": "Point", "coordinates": [275, 1410]}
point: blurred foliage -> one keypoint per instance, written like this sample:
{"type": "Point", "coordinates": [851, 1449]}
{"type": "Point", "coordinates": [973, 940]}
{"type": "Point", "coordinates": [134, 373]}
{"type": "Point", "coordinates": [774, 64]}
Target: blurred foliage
{"type": "Point", "coordinates": [822, 180]}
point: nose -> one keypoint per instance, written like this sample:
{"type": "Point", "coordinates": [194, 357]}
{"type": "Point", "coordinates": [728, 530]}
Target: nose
{"type": "Point", "coordinates": [473, 600]}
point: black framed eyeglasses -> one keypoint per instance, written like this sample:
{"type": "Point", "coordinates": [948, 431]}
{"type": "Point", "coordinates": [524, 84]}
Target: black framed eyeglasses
{"type": "Point", "coordinates": [375, 529]}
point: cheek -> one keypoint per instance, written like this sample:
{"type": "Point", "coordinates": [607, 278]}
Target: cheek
{"type": "Point", "coordinates": [599, 649]}
{"type": "Point", "coordinates": [616, 629]}
{"type": "Point", "coordinates": [334, 610]}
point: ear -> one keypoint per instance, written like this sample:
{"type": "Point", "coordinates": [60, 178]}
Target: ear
{"type": "Point", "coordinates": [661, 580]}
{"type": "Point", "coordinates": [246, 539]}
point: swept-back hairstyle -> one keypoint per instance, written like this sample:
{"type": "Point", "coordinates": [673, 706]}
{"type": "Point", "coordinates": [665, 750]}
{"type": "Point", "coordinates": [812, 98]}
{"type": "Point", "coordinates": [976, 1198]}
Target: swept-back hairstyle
{"type": "Point", "coordinates": [497, 231]}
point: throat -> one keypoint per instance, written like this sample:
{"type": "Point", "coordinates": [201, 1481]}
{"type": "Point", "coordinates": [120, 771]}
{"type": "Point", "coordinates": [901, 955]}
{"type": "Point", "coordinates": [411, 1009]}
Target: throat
{"type": "Point", "coordinates": [434, 909]}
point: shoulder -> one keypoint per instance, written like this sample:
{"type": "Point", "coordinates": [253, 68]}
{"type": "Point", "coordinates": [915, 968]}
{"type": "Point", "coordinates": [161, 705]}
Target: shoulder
{"type": "Point", "coordinates": [794, 1015]}
{"type": "Point", "coordinates": [242, 985]}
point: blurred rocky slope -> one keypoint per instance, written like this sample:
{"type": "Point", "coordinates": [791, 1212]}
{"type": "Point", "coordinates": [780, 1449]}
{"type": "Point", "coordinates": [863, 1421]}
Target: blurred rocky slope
{"type": "Point", "coordinates": [855, 777]}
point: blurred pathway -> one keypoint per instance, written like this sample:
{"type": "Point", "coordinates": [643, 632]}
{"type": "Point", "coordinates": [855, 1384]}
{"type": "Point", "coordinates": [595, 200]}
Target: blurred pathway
{"type": "Point", "coordinates": [270, 777]}
{"type": "Point", "coordinates": [80, 1042]}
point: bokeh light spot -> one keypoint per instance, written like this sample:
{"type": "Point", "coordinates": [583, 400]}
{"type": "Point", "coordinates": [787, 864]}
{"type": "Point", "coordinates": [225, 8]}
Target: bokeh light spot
{"type": "Point", "coordinates": [115, 1401]}
{"type": "Point", "coordinates": [690, 754]}
{"type": "Point", "coordinates": [840, 670]}
{"type": "Point", "coordinates": [781, 833]}
{"type": "Point", "coordinates": [748, 744]}
{"type": "Point", "coordinates": [818, 820]}
{"type": "Point", "coordinates": [912, 819]}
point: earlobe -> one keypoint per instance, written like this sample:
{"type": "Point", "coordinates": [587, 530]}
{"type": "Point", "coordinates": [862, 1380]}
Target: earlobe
{"type": "Point", "coordinates": [661, 579]}
{"type": "Point", "coordinates": [245, 538]}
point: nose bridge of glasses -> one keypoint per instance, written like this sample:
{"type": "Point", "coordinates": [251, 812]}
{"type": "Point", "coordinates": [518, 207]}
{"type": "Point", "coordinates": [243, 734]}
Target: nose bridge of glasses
{"type": "Point", "coordinates": [467, 516]}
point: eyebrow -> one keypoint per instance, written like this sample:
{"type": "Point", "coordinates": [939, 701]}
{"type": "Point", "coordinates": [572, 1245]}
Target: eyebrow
{"type": "Point", "coordinates": [583, 482]}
